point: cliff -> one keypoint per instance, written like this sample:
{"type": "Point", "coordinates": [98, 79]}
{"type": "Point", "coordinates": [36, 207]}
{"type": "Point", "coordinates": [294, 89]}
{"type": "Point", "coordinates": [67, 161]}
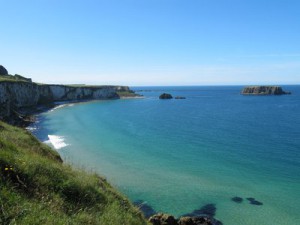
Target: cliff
{"type": "Point", "coordinates": [264, 90]}
{"type": "Point", "coordinates": [15, 96]}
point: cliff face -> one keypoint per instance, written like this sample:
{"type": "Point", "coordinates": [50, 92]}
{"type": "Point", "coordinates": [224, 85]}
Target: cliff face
{"type": "Point", "coordinates": [17, 95]}
{"type": "Point", "coordinates": [264, 90]}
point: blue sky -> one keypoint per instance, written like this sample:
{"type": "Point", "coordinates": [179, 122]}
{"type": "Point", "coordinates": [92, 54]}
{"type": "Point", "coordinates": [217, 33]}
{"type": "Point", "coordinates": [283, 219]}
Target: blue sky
{"type": "Point", "coordinates": [152, 42]}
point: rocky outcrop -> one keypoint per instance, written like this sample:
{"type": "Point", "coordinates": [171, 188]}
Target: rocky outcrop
{"type": "Point", "coordinates": [3, 71]}
{"type": "Point", "coordinates": [16, 96]}
{"type": "Point", "coordinates": [165, 96]}
{"type": "Point", "coordinates": [264, 90]}
{"type": "Point", "coordinates": [165, 219]}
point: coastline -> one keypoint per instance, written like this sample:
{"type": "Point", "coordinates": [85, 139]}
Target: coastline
{"type": "Point", "coordinates": [155, 217]}
{"type": "Point", "coordinates": [32, 112]}
{"type": "Point", "coordinates": [115, 121]}
{"type": "Point", "coordinates": [275, 100]}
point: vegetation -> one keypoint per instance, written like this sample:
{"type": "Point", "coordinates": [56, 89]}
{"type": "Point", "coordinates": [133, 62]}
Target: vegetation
{"type": "Point", "coordinates": [14, 78]}
{"type": "Point", "coordinates": [37, 188]}
{"type": "Point", "coordinates": [127, 94]}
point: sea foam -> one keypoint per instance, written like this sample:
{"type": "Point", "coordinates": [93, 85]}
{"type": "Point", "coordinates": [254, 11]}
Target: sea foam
{"type": "Point", "coordinates": [58, 107]}
{"type": "Point", "coordinates": [58, 142]}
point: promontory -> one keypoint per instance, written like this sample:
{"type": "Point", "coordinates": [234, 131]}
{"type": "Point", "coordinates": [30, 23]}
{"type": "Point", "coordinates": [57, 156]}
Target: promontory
{"type": "Point", "coordinates": [19, 95]}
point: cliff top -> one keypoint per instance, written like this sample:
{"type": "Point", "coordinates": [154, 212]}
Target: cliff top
{"type": "Point", "coordinates": [19, 78]}
{"type": "Point", "coordinates": [14, 78]}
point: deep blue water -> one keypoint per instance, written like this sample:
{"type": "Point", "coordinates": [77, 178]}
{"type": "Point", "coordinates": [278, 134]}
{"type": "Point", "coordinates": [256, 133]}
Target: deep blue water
{"type": "Point", "coordinates": [178, 156]}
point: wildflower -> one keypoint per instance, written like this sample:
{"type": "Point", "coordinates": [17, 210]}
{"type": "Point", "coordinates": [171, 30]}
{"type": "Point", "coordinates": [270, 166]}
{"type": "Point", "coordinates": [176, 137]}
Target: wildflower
{"type": "Point", "coordinates": [6, 168]}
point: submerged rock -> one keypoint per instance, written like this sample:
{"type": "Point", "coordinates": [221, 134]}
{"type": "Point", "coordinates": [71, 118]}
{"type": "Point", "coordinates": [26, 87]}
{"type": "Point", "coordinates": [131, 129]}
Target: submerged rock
{"type": "Point", "coordinates": [237, 199]}
{"type": "Point", "coordinates": [253, 201]}
{"type": "Point", "coordinates": [3, 71]}
{"type": "Point", "coordinates": [264, 90]}
{"type": "Point", "coordinates": [165, 96]}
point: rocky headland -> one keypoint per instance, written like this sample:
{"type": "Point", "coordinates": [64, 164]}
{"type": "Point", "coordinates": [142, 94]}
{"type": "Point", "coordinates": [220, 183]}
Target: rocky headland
{"type": "Point", "coordinates": [264, 90]}
{"type": "Point", "coordinates": [20, 96]}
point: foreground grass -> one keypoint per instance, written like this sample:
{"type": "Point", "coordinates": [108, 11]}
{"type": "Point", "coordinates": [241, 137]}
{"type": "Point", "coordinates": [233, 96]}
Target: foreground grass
{"type": "Point", "coordinates": [37, 188]}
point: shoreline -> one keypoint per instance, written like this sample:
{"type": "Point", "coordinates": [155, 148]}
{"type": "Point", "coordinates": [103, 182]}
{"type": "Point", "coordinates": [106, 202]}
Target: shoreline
{"type": "Point", "coordinates": [157, 217]}
{"type": "Point", "coordinates": [26, 115]}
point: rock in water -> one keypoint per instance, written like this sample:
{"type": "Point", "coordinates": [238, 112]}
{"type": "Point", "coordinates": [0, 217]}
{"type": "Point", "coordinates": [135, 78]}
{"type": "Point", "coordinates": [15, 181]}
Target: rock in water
{"type": "Point", "coordinates": [3, 71]}
{"type": "Point", "coordinates": [264, 90]}
{"type": "Point", "coordinates": [162, 219]}
{"type": "Point", "coordinates": [198, 220]}
{"type": "Point", "coordinates": [165, 96]}
{"type": "Point", "coordinates": [165, 219]}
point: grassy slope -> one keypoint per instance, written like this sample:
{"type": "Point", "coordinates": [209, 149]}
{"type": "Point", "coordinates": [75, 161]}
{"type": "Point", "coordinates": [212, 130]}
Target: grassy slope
{"type": "Point", "coordinates": [12, 78]}
{"type": "Point", "coordinates": [37, 188]}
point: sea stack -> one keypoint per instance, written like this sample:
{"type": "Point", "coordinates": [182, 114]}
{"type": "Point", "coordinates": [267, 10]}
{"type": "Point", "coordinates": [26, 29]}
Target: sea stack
{"type": "Point", "coordinates": [264, 90]}
{"type": "Point", "coordinates": [165, 96]}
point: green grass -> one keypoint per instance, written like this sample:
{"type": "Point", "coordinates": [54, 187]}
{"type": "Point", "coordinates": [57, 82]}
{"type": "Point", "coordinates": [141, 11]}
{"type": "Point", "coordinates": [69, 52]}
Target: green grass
{"type": "Point", "coordinates": [13, 78]}
{"type": "Point", "coordinates": [37, 188]}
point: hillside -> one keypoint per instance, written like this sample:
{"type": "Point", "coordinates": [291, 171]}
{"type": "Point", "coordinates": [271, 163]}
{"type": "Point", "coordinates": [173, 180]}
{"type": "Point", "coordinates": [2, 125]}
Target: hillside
{"type": "Point", "coordinates": [37, 188]}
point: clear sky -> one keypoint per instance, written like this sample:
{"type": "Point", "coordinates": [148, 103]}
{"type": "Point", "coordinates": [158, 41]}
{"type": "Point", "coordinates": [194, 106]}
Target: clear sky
{"type": "Point", "coordinates": [152, 42]}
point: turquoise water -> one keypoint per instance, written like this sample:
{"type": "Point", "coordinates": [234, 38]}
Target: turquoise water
{"type": "Point", "coordinates": [178, 156]}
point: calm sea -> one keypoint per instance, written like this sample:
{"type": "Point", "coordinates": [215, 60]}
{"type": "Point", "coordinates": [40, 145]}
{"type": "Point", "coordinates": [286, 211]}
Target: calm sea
{"type": "Point", "coordinates": [218, 152]}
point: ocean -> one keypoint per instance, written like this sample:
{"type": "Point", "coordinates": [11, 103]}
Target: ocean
{"type": "Point", "coordinates": [217, 152]}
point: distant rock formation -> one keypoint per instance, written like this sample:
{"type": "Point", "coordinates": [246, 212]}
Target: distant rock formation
{"type": "Point", "coordinates": [3, 71]}
{"type": "Point", "coordinates": [264, 90]}
{"type": "Point", "coordinates": [165, 96]}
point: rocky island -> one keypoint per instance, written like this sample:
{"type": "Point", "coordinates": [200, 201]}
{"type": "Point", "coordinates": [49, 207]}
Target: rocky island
{"type": "Point", "coordinates": [165, 96]}
{"type": "Point", "coordinates": [264, 90]}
